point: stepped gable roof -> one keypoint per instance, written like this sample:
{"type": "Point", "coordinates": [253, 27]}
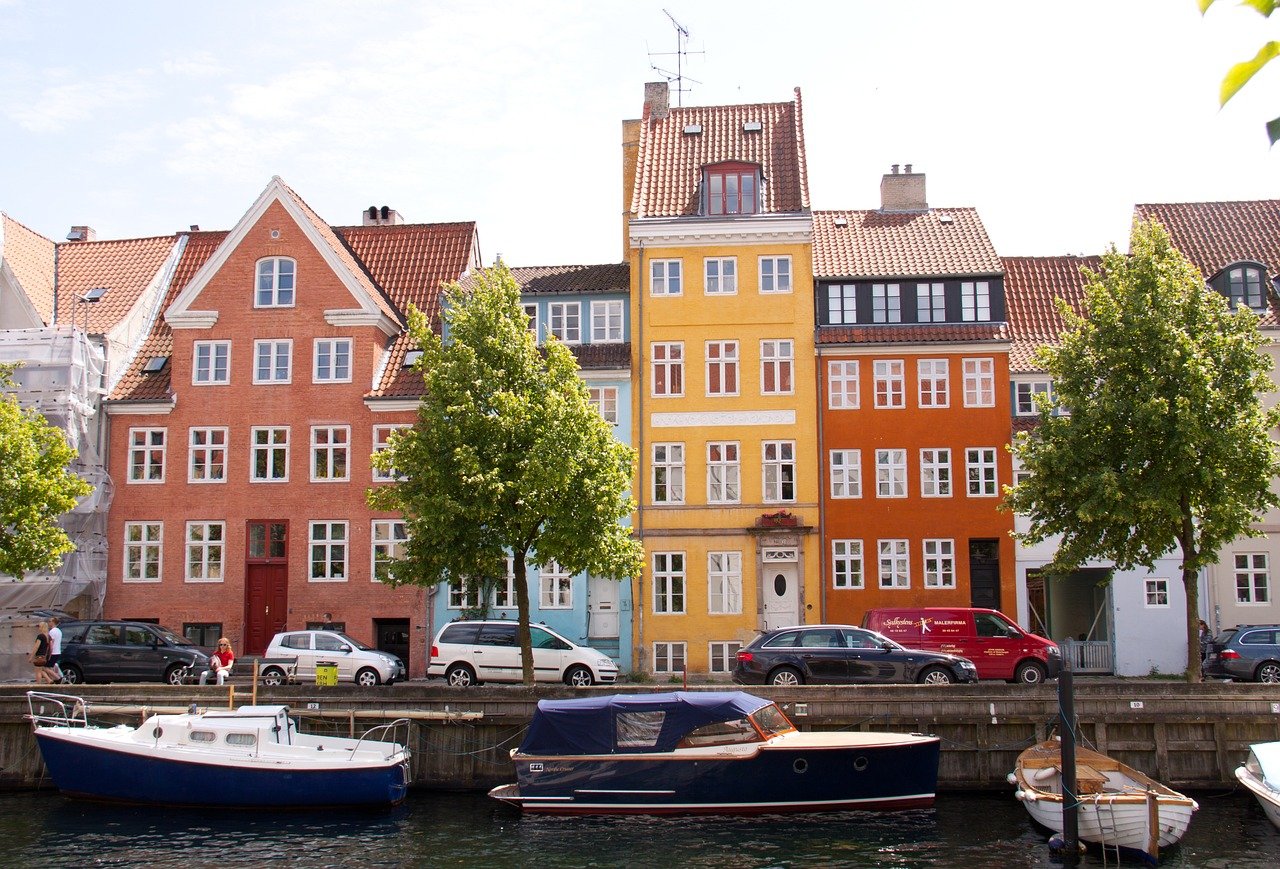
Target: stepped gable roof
{"type": "Point", "coordinates": [935, 243]}
{"type": "Point", "coordinates": [1031, 285]}
{"type": "Point", "coordinates": [914, 333]}
{"type": "Point", "coordinates": [669, 161]}
{"type": "Point", "coordinates": [123, 267]}
{"type": "Point", "coordinates": [29, 256]}
{"type": "Point", "coordinates": [565, 280]}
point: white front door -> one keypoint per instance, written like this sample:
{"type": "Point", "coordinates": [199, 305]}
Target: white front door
{"type": "Point", "coordinates": [781, 595]}
{"type": "Point", "coordinates": [603, 597]}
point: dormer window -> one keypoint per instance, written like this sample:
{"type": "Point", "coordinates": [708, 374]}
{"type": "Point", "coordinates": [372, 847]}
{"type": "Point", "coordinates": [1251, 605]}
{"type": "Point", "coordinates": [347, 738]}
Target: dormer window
{"type": "Point", "coordinates": [731, 188]}
{"type": "Point", "coordinates": [275, 283]}
{"type": "Point", "coordinates": [1242, 284]}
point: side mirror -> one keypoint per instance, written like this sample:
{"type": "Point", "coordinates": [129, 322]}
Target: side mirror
{"type": "Point", "coordinates": [344, 649]}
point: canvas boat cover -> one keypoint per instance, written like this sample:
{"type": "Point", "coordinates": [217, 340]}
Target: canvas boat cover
{"type": "Point", "coordinates": [1268, 755]}
{"type": "Point", "coordinates": [630, 723]}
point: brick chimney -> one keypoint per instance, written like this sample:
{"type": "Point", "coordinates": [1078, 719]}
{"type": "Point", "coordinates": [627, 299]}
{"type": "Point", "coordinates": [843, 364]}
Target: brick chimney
{"type": "Point", "coordinates": [384, 216]}
{"type": "Point", "coordinates": [82, 233]}
{"type": "Point", "coordinates": [657, 99]}
{"type": "Point", "coordinates": [902, 191]}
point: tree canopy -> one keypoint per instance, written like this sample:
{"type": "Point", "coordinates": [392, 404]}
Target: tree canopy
{"type": "Point", "coordinates": [1164, 440]}
{"type": "Point", "coordinates": [508, 458]}
{"type": "Point", "coordinates": [36, 487]}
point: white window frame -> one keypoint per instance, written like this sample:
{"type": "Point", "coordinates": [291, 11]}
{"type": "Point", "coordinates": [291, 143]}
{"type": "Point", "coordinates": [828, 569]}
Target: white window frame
{"type": "Point", "coordinates": [211, 363]}
{"type": "Point", "coordinates": [981, 472]}
{"type": "Point", "coordinates": [939, 560]}
{"type": "Point", "coordinates": [666, 277]}
{"type": "Point", "coordinates": [605, 401]}
{"type": "Point", "coordinates": [382, 433]}
{"type": "Point", "coordinates": [980, 382]}
{"type": "Point", "coordinates": [670, 657]}
{"type": "Point", "coordinates": [1155, 593]}
{"type": "Point", "coordinates": [777, 366]}
{"type": "Point", "coordinates": [504, 596]}
{"type": "Point", "coordinates": [1024, 393]}
{"type": "Point", "coordinates": [935, 472]}
{"type": "Point", "coordinates": [564, 321]}
{"type": "Point", "coordinates": [205, 455]}
{"type": "Point", "coordinates": [724, 461]}
{"type": "Point", "coordinates": [721, 358]}
{"type": "Point", "coordinates": [846, 473]}
{"type": "Point", "coordinates": [329, 545]}
{"type": "Point", "coordinates": [931, 302]}
{"type": "Point", "coordinates": [778, 471]}
{"type": "Point", "coordinates": [842, 304]}
{"type": "Point", "coordinates": [270, 352]}
{"type": "Point", "coordinates": [531, 311]}
{"type": "Point", "coordinates": [671, 365]}
{"type": "Point", "coordinates": [205, 552]}
{"type": "Point", "coordinates": [555, 587]}
{"type": "Point", "coordinates": [1256, 566]}
{"type": "Point", "coordinates": [891, 473]}
{"type": "Point", "coordinates": [890, 384]}
{"type": "Point", "coordinates": [274, 295]}
{"type": "Point", "coordinates": [933, 378]}
{"type": "Point", "coordinates": [269, 450]}
{"type": "Point", "coordinates": [775, 274]}
{"type": "Point", "coordinates": [465, 598]}
{"type": "Point", "coordinates": [975, 301]}
{"type": "Point", "coordinates": [720, 275]}
{"type": "Point", "coordinates": [886, 303]}
{"type": "Point", "coordinates": [722, 657]}
{"type": "Point", "coordinates": [333, 443]}
{"type": "Point", "coordinates": [668, 472]}
{"type": "Point", "coordinates": [848, 571]}
{"type": "Point", "coordinates": [607, 321]}
{"type": "Point", "coordinates": [843, 384]}
{"type": "Point", "coordinates": [148, 448]}
{"type": "Point", "coordinates": [670, 583]}
{"type": "Point", "coordinates": [387, 541]}
{"type": "Point", "coordinates": [724, 583]}
{"type": "Point", "coordinates": [894, 563]}
{"type": "Point", "coordinates": [331, 349]}
{"type": "Point", "coordinates": [143, 552]}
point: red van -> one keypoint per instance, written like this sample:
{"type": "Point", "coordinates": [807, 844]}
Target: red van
{"type": "Point", "coordinates": [999, 648]}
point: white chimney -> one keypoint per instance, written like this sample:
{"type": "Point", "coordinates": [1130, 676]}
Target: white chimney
{"type": "Point", "coordinates": [384, 216]}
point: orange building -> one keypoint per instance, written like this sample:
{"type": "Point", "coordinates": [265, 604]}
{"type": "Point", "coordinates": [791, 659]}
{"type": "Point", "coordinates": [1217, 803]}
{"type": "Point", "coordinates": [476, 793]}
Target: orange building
{"type": "Point", "coordinates": [913, 375]}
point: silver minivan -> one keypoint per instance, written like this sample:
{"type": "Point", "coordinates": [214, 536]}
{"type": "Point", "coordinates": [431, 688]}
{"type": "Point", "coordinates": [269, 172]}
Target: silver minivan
{"type": "Point", "coordinates": [469, 652]}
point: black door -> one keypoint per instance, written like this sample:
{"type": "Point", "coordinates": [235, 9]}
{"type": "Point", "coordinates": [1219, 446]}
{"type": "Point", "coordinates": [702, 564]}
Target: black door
{"type": "Point", "coordinates": [984, 574]}
{"type": "Point", "coordinates": [392, 635]}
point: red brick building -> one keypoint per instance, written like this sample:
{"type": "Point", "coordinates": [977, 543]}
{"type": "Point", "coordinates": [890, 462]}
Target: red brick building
{"type": "Point", "coordinates": [241, 433]}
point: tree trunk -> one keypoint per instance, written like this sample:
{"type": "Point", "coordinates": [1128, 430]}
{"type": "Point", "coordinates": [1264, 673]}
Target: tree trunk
{"type": "Point", "coordinates": [1190, 583]}
{"type": "Point", "coordinates": [520, 577]}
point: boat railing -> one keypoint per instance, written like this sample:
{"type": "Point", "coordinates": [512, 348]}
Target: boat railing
{"type": "Point", "coordinates": [56, 710]}
{"type": "Point", "coordinates": [391, 729]}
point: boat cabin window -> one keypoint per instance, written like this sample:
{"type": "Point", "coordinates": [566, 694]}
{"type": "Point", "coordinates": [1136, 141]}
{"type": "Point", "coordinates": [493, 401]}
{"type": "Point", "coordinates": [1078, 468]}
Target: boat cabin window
{"type": "Point", "coordinates": [241, 738]}
{"type": "Point", "coordinates": [638, 729]}
{"type": "Point", "coordinates": [202, 736]}
{"type": "Point", "coordinates": [770, 720]}
{"type": "Point", "coordinates": [721, 733]}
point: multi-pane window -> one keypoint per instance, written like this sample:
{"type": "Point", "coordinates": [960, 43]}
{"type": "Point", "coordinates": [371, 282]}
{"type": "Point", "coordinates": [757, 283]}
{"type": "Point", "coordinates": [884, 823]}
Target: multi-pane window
{"type": "Point", "coordinates": [980, 463]}
{"type": "Point", "coordinates": [720, 276]}
{"type": "Point", "coordinates": [668, 582]}
{"type": "Point", "coordinates": [605, 401]}
{"type": "Point", "coordinates": [890, 383]}
{"type": "Point", "coordinates": [669, 657]}
{"type": "Point", "coordinates": [722, 368]}
{"type": "Point", "coordinates": [531, 311]}
{"type": "Point", "coordinates": [270, 459]}
{"type": "Point", "coordinates": [895, 564]}
{"type": "Point", "coordinates": [333, 360]}
{"type": "Point", "coordinates": [723, 656]}
{"type": "Point", "coordinates": [556, 587]}
{"type": "Point", "coordinates": [1253, 578]}
{"type": "Point", "coordinates": [933, 376]}
{"type": "Point", "coordinates": [846, 564]}
{"type": "Point", "coordinates": [731, 190]}
{"type": "Point", "coordinates": [272, 361]}
{"type": "Point", "coordinates": [275, 283]}
{"type": "Point", "coordinates": [146, 455]}
{"type": "Point", "coordinates": [1157, 592]}
{"type": "Point", "coordinates": [939, 563]}
{"type": "Point", "coordinates": [382, 442]}
{"type": "Point", "coordinates": [975, 301]}
{"type": "Point", "coordinates": [842, 384]}
{"type": "Point", "coordinates": [779, 466]}
{"type": "Point", "coordinates": [328, 545]}
{"type": "Point", "coordinates": [464, 595]}
{"type": "Point", "coordinates": [387, 539]}
{"type": "Point", "coordinates": [724, 473]}
{"type": "Point", "coordinates": [606, 321]}
{"type": "Point", "coordinates": [724, 583]}
{"type": "Point", "coordinates": [1244, 286]}
{"type": "Point", "coordinates": [203, 633]}
{"type": "Point", "coordinates": [775, 274]}
{"type": "Point", "coordinates": [846, 473]}
{"type": "Point", "coordinates": [211, 363]}
{"type": "Point", "coordinates": [207, 452]}
{"type": "Point", "coordinates": [143, 545]}
{"type": "Point", "coordinates": [979, 383]}
{"type": "Point", "coordinates": [891, 473]}
{"type": "Point", "coordinates": [330, 446]}
{"type": "Point", "coordinates": [504, 594]}
{"type": "Point", "coordinates": [564, 320]}
{"type": "Point", "coordinates": [886, 303]}
{"type": "Point", "coordinates": [205, 541]}
{"type": "Point", "coordinates": [664, 277]}
{"type": "Point", "coordinates": [668, 473]}
{"type": "Point", "coordinates": [935, 473]}
{"type": "Point", "coordinates": [1026, 396]}
{"type": "Point", "coordinates": [842, 304]}
{"type": "Point", "coordinates": [776, 361]}
{"type": "Point", "coordinates": [668, 369]}
{"type": "Point", "coordinates": [931, 303]}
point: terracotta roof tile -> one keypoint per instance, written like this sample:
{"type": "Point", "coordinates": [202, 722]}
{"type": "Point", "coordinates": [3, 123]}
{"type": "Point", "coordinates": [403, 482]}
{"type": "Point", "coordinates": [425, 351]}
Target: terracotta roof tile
{"type": "Point", "coordinates": [602, 356]}
{"type": "Point", "coordinates": [669, 161]}
{"type": "Point", "coordinates": [30, 256]}
{"type": "Point", "coordinates": [1031, 284]}
{"type": "Point", "coordinates": [123, 267]}
{"type": "Point", "coordinates": [916, 333]}
{"type": "Point", "coordinates": [942, 242]}
{"type": "Point", "coordinates": [553, 280]}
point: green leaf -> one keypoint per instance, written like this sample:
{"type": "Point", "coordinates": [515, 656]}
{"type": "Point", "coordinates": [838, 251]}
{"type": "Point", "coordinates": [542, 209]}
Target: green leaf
{"type": "Point", "coordinates": [1204, 5]}
{"type": "Point", "coordinates": [1263, 7]}
{"type": "Point", "coordinates": [1239, 75]}
{"type": "Point", "coordinates": [1273, 130]}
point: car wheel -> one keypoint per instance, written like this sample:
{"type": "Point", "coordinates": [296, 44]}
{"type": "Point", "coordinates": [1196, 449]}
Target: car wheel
{"type": "Point", "coordinates": [175, 674]}
{"type": "Point", "coordinates": [1268, 672]}
{"type": "Point", "coordinates": [1029, 673]}
{"type": "Point", "coordinates": [579, 677]}
{"type": "Point", "coordinates": [786, 676]}
{"type": "Point", "coordinates": [367, 677]}
{"type": "Point", "coordinates": [273, 676]}
{"type": "Point", "coordinates": [935, 676]}
{"type": "Point", "coordinates": [73, 674]}
{"type": "Point", "coordinates": [460, 675]}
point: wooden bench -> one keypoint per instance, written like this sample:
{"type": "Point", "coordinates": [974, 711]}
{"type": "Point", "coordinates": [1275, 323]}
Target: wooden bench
{"type": "Point", "coordinates": [245, 670]}
{"type": "Point", "coordinates": [1089, 780]}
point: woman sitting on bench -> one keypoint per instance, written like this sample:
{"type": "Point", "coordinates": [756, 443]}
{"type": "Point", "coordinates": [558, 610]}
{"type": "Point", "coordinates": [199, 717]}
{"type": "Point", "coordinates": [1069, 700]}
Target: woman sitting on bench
{"type": "Point", "coordinates": [220, 663]}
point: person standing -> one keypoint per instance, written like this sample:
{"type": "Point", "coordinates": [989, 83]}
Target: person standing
{"type": "Point", "coordinates": [219, 663]}
{"type": "Point", "coordinates": [55, 649]}
{"type": "Point", "coordinates": [39, 656]}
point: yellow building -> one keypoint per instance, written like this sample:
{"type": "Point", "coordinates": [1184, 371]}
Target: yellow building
{"type": "Point", "coordinates": [719, 236]}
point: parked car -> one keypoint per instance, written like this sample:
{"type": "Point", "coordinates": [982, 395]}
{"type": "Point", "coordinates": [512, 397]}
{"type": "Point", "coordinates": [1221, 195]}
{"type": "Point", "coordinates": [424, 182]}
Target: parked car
{"type": "Point", "coordinates": [842, 655]}
{"type": "Point", "coordinates": [355, 661]}
{"type": "Point", "coordinates": [118, 651]}
{"type": "Point", "coordinates": [469, 652]}
{"type": "Point", "coordinates": [999, 648]}
{"type": "Point", "coordinates": [1250, 653]}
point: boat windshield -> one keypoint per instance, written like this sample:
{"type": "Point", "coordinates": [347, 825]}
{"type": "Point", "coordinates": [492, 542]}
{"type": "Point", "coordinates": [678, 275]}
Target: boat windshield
{"type": "Point", "coordinates": [771, 720]}
{"type": "Point", "coordinates": [721, 733]}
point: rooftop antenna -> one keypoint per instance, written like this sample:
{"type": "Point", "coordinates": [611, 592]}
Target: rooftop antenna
{"type": "Point", "coordinates": [682, 50]}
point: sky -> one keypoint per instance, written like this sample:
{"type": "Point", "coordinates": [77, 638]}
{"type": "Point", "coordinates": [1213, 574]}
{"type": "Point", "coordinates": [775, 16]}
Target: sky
{"type": "Point", "coordinates": [1051, 118]}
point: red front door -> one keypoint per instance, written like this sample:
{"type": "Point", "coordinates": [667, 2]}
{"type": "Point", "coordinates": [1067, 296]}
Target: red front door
{"type": "Point", "coordinates": [266, 588]}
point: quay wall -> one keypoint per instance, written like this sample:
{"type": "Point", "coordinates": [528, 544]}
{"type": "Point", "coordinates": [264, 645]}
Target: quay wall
{"type": "Point", "coordinates": [1187, 736]}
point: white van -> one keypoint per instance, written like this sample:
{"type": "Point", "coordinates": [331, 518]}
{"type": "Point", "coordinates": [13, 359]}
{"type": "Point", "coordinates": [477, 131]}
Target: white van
{"type": "Point", "coordinates": [469, 652]}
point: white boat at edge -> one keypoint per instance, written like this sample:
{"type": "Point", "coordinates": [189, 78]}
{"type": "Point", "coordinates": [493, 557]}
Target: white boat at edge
{"type": "Point", "coordinates": [1261, 775]}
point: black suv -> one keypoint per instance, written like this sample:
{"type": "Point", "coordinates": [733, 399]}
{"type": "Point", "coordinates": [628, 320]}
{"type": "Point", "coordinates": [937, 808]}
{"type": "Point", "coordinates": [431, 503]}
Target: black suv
{"type": "Point", "coordinates": [112, 651]}
{"type": "Point", "coordinates": [1249, 653]}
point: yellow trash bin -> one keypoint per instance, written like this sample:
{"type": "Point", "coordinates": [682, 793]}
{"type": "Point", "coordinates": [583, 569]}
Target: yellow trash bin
{"type": "Point", "coordinates": [326, 673]}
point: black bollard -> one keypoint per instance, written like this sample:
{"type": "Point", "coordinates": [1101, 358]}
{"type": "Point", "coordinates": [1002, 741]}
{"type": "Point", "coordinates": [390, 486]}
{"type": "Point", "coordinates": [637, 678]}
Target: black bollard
{"type": "Point", "coordinates": [1067, 730]}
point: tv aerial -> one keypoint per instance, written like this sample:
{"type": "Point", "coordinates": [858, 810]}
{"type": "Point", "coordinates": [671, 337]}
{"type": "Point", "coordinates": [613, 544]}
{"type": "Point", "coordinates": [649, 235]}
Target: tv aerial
{"type": "Point", "coordinates": [680, 54]}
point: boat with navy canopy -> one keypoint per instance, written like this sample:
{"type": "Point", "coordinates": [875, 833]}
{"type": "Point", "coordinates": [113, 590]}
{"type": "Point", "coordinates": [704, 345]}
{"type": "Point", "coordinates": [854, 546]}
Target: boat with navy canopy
{"type": "Point", "coordinates": [713, 752]}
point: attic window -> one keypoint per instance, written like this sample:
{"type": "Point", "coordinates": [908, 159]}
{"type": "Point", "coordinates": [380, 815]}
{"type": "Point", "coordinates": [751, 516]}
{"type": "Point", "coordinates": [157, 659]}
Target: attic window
{"type": "Point", "coordinates": [946, 219]}
{"type": "Point", "coordinates": [731, 188]}
{"type": "Point", "coordinates": [154, 364]}
{"type": "Point", "coordinates": [693, 129]}
{"type": "Point", "coordinates": [411, 358]}
{"type": "Point", "coordinates": [840, 221]}
{"type": "Point", "coordinates": [752, 127]}
{"type": "Point", "coordinates": [94, 294]}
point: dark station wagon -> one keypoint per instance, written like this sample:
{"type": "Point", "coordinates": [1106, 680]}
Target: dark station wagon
{"type": "Point", "coordinates": [115, 651]}
{"type": "Point", "coordinates": [1248, 653]}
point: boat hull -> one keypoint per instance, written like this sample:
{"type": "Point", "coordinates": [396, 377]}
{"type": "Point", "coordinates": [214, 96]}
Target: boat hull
{"type": "Point", "coordinates": [1267, 798]}
{"type": "Point", "coordinates": [105, 773]}
{"type": "Point", "coordinates": [1112, 823]}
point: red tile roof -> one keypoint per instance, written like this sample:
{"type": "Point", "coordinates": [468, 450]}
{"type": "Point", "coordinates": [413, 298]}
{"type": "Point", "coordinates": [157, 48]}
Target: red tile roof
{"type": "Point", "coordinates": [552, 280]}
{"type": "Point", "coordinates": [30, 257]}
{"type": "Point", "coordinates": [1031, 286]}
{"type": "Point", "coordinates": [915, 333]}
{"type": "Point", "coordinates": [941, 242]}
{"type": "Point", "coordinates": [123, 267]}
{"type": "Point", "coordinates": [670, 161]}
{"type": "Point", "coordinates": [1214, 235]}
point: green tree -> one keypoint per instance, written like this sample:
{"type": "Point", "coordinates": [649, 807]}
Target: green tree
{"type": "Point", "coordinates": [1238, 76]}
{"type": "Point", "coordinates": [1167, 440]}
{"type": "Point", "coordinates": [36, 486]}
{"type": "Point", "coordinates": [508, 456]}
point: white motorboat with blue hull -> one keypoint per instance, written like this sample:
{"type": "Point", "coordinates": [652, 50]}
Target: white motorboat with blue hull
{"type": "Point", "coordinates": [249, 757]}
{"type": "Point", "coordinates": [708, 753]}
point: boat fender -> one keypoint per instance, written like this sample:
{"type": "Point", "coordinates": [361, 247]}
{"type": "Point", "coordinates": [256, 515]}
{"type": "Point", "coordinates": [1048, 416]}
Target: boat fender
{"type": "Point", "coordinates": [1011, 778]}
{"type": "Point", "coordinates": [1044, 774]}
{"type": "Point", "coordinates": [1058, 844]}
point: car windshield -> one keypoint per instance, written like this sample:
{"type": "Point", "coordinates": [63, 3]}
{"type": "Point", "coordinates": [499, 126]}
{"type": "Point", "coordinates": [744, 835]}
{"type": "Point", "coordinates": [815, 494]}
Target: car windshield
{"type": "Point", "coordinates": [173, 639]}
{"type": "Point", "coordinates": [884, 642]}
{"type": "Point", "coordinates": [354, 643]}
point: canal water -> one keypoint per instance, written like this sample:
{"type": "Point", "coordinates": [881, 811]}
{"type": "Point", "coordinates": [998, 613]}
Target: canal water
{"type": "Point", "coordinates": [433, 829]}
